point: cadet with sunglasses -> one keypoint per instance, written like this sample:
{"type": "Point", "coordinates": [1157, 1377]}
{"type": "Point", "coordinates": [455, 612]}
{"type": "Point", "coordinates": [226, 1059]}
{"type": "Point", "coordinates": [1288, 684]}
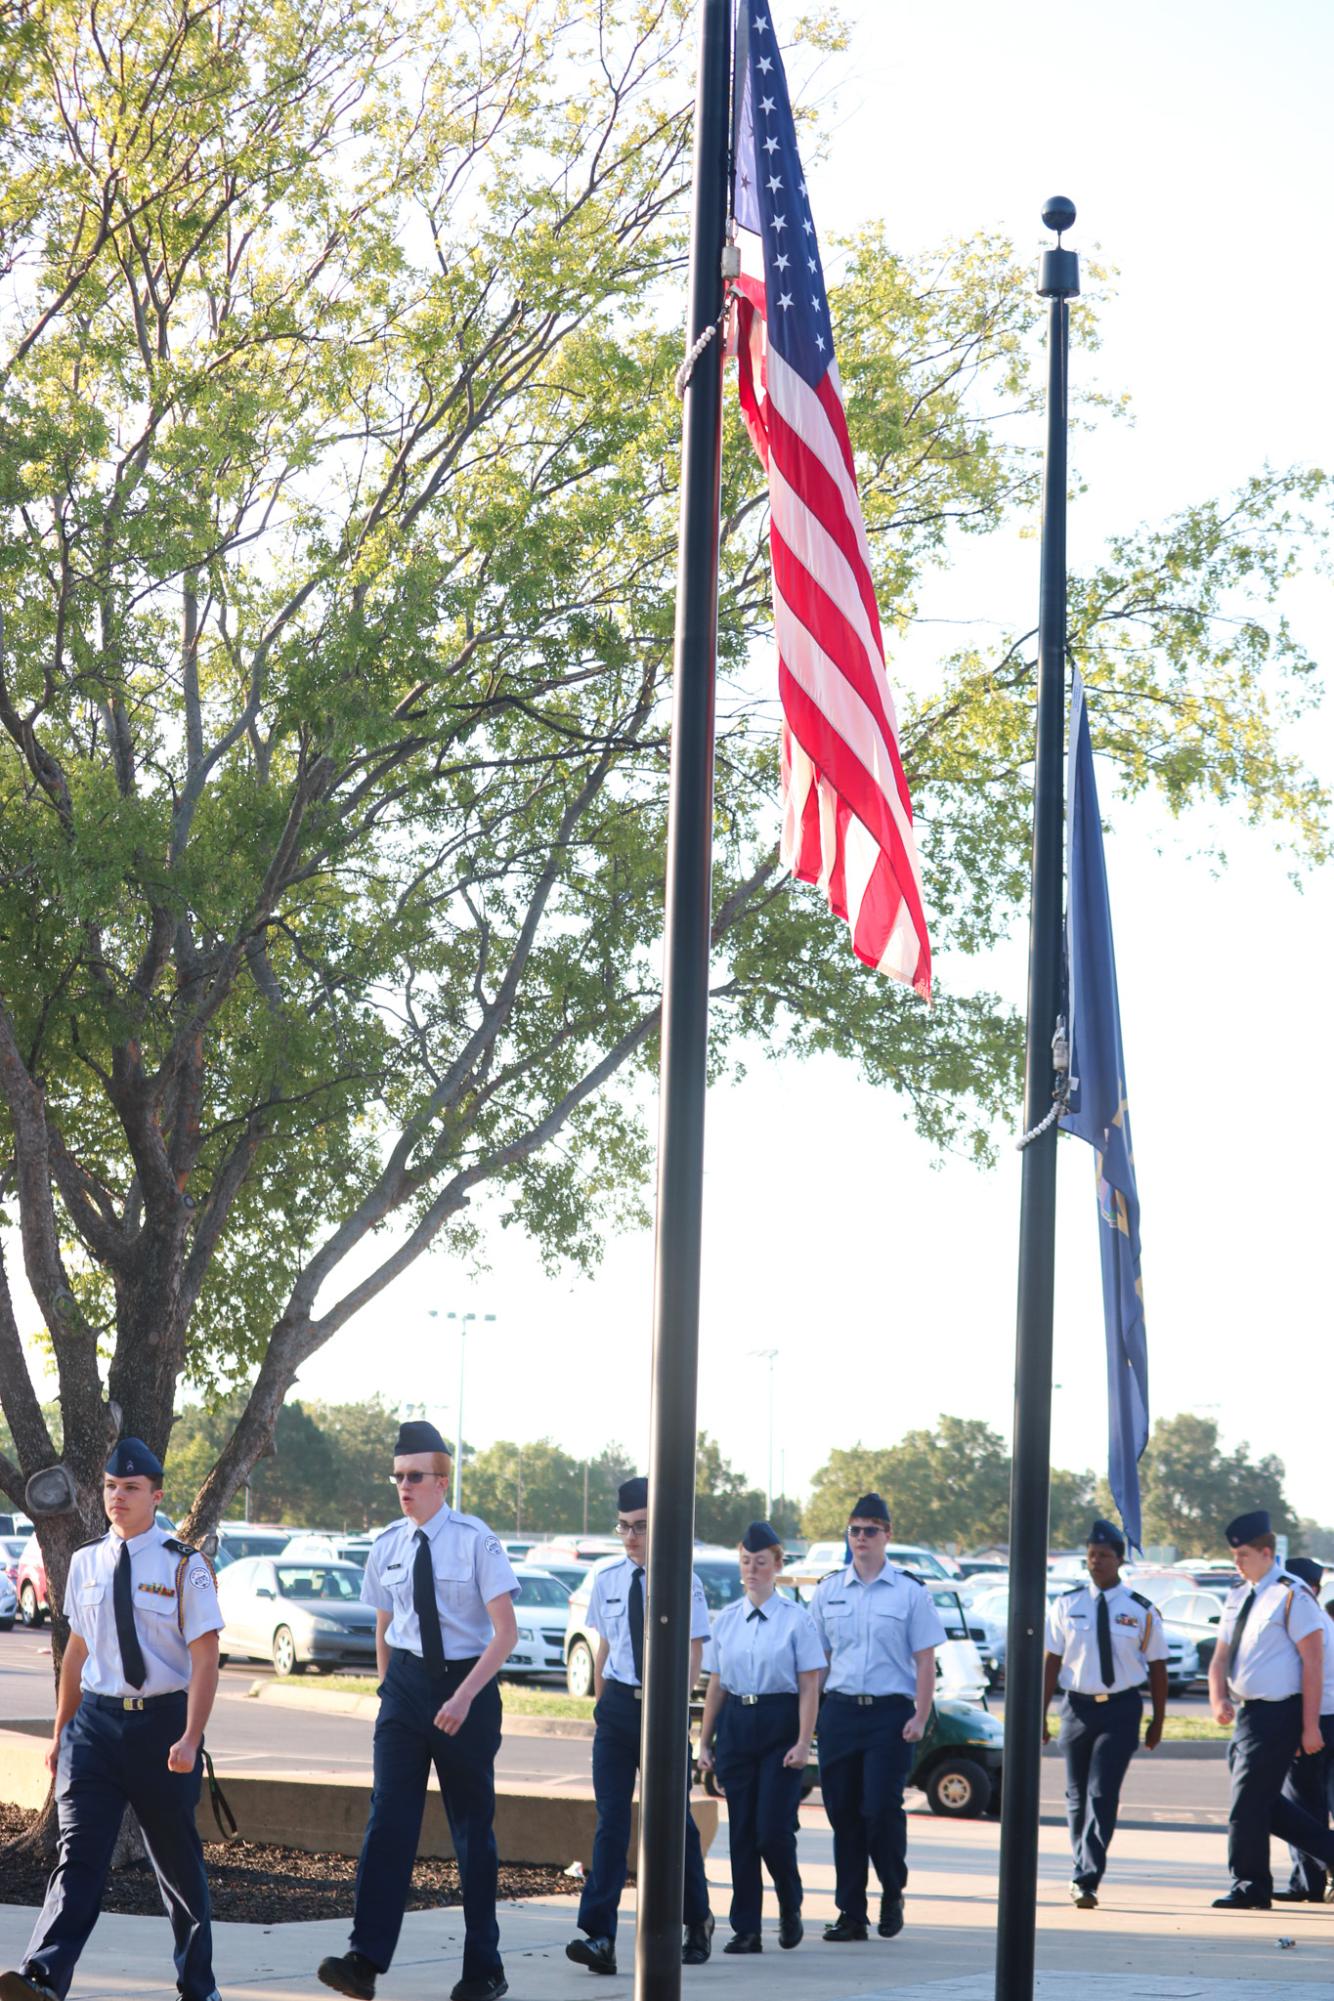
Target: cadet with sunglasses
{"type": "Point", "coordinates": [136, 1686]}
{"type": "Point", "coordinates": [443, 1593]}
{"type": "Point", "coordinates": [759, 1717]}
{"type": "Point", "coordinates": [616, 1615]}
{"type": "Point", "coordinates": [1103, 1643]}
{"type": "Point", "coordinates": [880, 1630]}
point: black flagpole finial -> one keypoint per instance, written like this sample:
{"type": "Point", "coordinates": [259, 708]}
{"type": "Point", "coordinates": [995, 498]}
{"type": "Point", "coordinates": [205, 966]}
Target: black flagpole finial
{"type": "Point", "coordinates": [1059, 214]}
{"type": "Point", "coordinates": [1059, 276]}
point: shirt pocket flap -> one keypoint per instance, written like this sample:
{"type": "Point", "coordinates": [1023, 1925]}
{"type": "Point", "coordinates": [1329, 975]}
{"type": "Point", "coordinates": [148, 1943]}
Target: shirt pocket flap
{"type": "Point", "coordinates": [452, 1570]}
{"type": "Point", "coordinates": [92, 1594]}
{"type": "Point", "coordinates": [155, 1602]}
{"type": "Point", "coordinates": [887, 1606]}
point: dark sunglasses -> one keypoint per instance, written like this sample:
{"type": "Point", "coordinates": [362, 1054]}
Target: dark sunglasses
{"type": "Point", "coordinates": [632, 1528]}
{"type": "Point", "coordinates": [412, 1479]}
{"type": "Point", "coordinates": [866, 1528]}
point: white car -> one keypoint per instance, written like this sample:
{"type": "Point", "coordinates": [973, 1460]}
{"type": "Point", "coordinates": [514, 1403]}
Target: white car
{"type": "Point", "coordinates": [329, 1549]}
{"type": "Point", "coordinates": [822, 1557]}
{"type": "Point", "coordinates": [541, 1612]}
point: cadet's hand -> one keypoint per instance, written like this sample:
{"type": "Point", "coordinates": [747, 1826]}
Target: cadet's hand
{"type": "Point", "coordinates": [452, 1715]}
{"type": "Point", "coordinates": [182, 1755]}
{"type": "Point", "coordinates": [1223, 1712]}
{"type": "Point", "coordinates": [706, 1757]}
{"type": "Point", "coordinates": [1046, 1728]}
{"type": "Point", "coordinates": [1153, 1736]}
{"type": "Point", "coordinates": [799, 1756]}
{"type": "Point", "coordinates": [1313, 1742]}
{"type": "Point", "coordinates": [914, 1730]}
{"type": "Point", "coordinates": [52, 1756]}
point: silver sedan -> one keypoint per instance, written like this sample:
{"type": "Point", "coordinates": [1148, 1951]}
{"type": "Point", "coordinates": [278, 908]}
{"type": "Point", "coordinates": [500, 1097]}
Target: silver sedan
{"type": "Point", "coordinates": [297, 1615]}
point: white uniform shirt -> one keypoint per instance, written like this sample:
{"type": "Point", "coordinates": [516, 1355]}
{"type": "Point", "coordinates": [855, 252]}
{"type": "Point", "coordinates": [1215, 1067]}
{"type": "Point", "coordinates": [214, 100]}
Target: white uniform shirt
{"type": "Point", "coordinates": [175, 1601]}
{"type": "Point", "coordinates": [761, 1650]}
{"type": "Point", "coordinates": [470, 1569]}
{"type": "Point", "coordinates": [609, 1616]}
{"type": "Point", "coordinates": [1136, 1632]}
{"type": "Point", "coordinates": [1267, 1667]}
{"type": "Point", "coordinates": [872, 1632]}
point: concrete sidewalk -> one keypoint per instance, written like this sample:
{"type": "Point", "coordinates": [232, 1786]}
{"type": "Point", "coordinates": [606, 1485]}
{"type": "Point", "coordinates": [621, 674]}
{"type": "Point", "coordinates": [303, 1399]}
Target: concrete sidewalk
{"type": "Point", "coordinates": [1152, 1939]}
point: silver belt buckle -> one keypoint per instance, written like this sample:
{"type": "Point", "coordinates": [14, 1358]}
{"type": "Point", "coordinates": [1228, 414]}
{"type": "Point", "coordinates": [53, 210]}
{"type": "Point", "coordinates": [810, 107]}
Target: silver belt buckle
{"type": "Point", "coordinates": [132, 1702]}
{"type": "Point", "coordinates": [639, 1693]}
{"type": "Point", "coordinates": [864, 1701]}
{"type": "Point", "coordinates": [749, 1700]}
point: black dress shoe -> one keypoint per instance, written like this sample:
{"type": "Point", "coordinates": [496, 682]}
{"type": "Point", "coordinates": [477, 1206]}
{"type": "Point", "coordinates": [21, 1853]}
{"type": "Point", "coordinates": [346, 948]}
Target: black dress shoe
{"type": "Point", "coordinates": [844, 1931]}
{"type": "Point", "coordinates": [597, 1954]}
{"type": "Point", "coordinates": [698, 1942]}
{"type": "Point", "coordinates": [352, 1974]}
{"type": "Point", "coordinates": [791, 1931]}
{"type": "Point", "coordinates": [891, 1917]}
{"type": "Point", "coordinates": [1234, 1901]}
{"type": "Point", "coordinates": [1297, 1897]}
{"type": "Point", "coordinates": [744, 1942]}
{"type": "Point", "coordinates": [18, 1987]}
{"type": "Point", "coordinates": [486, 1987]}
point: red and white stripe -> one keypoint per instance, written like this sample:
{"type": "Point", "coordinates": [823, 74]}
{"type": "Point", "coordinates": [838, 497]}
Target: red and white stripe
{"type": "Point", "coordinates": [847, 816]}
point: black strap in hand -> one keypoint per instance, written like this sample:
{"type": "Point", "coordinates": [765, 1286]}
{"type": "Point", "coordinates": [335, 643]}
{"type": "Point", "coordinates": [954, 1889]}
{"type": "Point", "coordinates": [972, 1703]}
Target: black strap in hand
{"type": "Point", "coordinates": [636, 1616]}
{"type": "Point", "coordinates": [122, 1600]}
{"type": "Point", "coordinates": [1106, 1664]}
{"type": "Point", "coordinates": [425, 1606]}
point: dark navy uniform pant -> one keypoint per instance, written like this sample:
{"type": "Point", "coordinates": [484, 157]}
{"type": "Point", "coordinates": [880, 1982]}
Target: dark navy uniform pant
{"type": "Point", "coordinates": [1265, 1740]}
{"type": "Point", "coordinates": [864, 1766]}
{"type": "Point", "coordinates": [1099, 1739]}
{"type": "Point", "coordinates": [762, 1801]}
{"type": "Point", "coordinates": [406, 1745]}
{"type": "Point", "coordinates": [110, 1758]}
{"type": "Point", "coordinates": [1310, 1784]}
{"type": "Point", "coordinates": [615, 1764]}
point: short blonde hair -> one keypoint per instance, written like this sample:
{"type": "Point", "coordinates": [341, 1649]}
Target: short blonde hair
{"type": "Point", "coordinates": [440, 1465]}
{"type": "Point", "coordinates": [776, 1547]}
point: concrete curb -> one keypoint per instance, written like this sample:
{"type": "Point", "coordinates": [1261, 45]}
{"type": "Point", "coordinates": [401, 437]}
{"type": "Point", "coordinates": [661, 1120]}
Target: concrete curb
{"type": "Point", "coordinates": [327, 1815]}
{"type": "Point", "coordinates": [337, 1702]}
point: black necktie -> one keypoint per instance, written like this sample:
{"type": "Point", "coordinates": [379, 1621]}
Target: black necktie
{"type": "Point", "coordinates": [1240, 1626]}
{"type": "Point", "coordinates": [428, 1612]}
{"type": "Point", "coordinates": [1106, 1665]}
{"type": "Point", "coordinates": [122, 1599]}
{"type": "Point", "coordinates": [637, 1624]}
{"type": "Point", "coordinates": [756, 1614]}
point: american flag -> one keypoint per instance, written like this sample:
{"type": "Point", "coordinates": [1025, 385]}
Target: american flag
{"type": "Point", "coordinates": [847, 816]}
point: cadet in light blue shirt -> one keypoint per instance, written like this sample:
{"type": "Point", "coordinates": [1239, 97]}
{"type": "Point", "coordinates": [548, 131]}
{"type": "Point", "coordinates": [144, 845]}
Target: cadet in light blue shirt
{"type": "Point", "coordinates": [880, 1630]}
{"type": "Point", "coordinates": [759, 1717]}
{"type": "Point", "coordinates": [443, 1593]}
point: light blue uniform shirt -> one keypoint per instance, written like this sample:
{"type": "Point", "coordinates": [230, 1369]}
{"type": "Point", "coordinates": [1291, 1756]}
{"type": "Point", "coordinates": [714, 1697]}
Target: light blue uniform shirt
{"type": "Point", "coordinates": [175, 1601]}
{"type": "Point", "coordinates": [1268, 1667]}
{"type": "Point", "coordinates": [760, 1650]}
{"type": "Point", "coordinates": [470, 1569]}
{"type": "Point", "coordinates": [1136, 1633]}
{"type": "Point", "coordinates": [872, 1632]}
{"type": "Point", "coordinates": [609, 1616]}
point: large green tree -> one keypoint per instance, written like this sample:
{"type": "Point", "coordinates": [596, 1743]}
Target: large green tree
{"type": "Point", "coordinates": [946, 1486]}
{"type": "Point", "coordinates": [338, 454]}
{"type": "Point", "coordinates": [1190, 1488]}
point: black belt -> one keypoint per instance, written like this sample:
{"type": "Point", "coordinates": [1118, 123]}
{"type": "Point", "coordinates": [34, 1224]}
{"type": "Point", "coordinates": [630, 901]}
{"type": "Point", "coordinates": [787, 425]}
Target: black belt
{"type": "Point", "coordinates": [864, 1701]}
{"type": "Point", "coordinates": [121, 1703]}
{"type": "Point", "coordinates": [749, 1701]}
{"type": "Point", "coordinates": [452, 1668]}
{"type": "Point", "coordinates": [630, 1687]}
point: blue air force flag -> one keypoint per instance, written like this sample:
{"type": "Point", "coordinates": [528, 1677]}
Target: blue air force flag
{"type": "Point", "coordinates": [1098, 1112]}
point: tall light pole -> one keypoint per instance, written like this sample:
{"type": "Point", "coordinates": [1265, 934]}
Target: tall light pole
{"type": "Point", "coordinates": [769, 1355]}
{"type": "Point", "coordinates": [463, 1319]}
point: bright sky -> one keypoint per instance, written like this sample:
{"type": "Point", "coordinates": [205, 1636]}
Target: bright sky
{"type": "Point", "coordinates": [1196, 142]}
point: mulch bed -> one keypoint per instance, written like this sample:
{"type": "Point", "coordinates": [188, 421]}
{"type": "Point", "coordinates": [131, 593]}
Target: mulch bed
{"type": "Point", "coordinates": [252, 1884]}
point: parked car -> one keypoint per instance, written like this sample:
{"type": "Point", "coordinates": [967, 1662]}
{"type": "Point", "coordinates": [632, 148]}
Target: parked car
{"type": "Point", "coordinates": [519, 1548]}
{"type": "Point", "coordinates": [31, 1583]}
{"type": "Point", "coordinates": [240, 1539]}
{"type": "Point", "coordinates": [961, 1671]}
{"type": "Point", "coordinates": [297, 1615]}
{"type": "Point", "coordinates": [15, 1525]}
{"type": "Point", "coordinates": [1195, 1615]}
{"type": "Point", "coordinates": [540, 1612]}
{"type": "Point", "coordinates": [11, 1549]}
{"type": "Point", "coordinates": [717, 1571]}
{"type": "Point", "coordinates": [583, 1549]}
{"type": "Point", "coordinates": [9, 1603]}
{"type": "Point", "coordinates": [325, 1549]}
{"type": "Point", "coordinates": [990, 1609]}
{"type": "Point", "coordinates": [822, 1557]}
{"type": "Point", "coordinates": [571, 1575]}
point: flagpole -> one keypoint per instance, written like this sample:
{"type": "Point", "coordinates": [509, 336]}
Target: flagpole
{"type": "Point", "coordinates": [1030, 1479]}
{"type": "Point", "coordinates": [685, 1010]}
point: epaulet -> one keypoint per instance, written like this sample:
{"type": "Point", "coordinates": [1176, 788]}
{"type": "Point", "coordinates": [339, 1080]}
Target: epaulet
{"type": "Point", "coordinates": [838, 1572]}
{"type": "Point", "coordinates": [1074, 1591]}
{"type": "Point", "coordinates": [178, 1547]}
{"type": "Point", "coordinates": [91, 1543]}
{"type": "Point", "coordinates": [1140, 1599]}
